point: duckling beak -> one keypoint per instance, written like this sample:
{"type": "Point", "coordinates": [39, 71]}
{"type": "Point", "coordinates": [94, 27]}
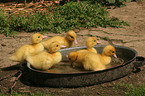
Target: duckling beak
{"type": "Point", "coordinates": [115, 55]}
{"type": "Point", "coordinates": [44, 36]}
{"type": "Point", "coordinates": [75, 41]}
{"type": "Point", "coordinates": [62, 46]}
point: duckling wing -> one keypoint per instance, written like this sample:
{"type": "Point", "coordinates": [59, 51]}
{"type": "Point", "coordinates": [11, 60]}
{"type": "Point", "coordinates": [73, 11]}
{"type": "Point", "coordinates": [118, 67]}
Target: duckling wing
{"type": "Point", "coordinates": [41, 61]}
{"type": "Point", "coordinates": [88, 50]}
{"type": "Point", "coordinates": [35, 49]}
{"type": "Point", "coordinates": [83, 50]}
{"type": "Point", "coordinates": [35, 60]}
{"type": "Point", "coordinates": [104, 59]}
{"type": "Point", "coordinates": [50, 40]}
{"type": "Point", "coordinates": [62, 41]}
{"type": "Point", "coordinates": [92, 62]}
{"type": "Point", "coordinates": [57, 57]}
{"type": "Point", "coordinates": [92, 50]}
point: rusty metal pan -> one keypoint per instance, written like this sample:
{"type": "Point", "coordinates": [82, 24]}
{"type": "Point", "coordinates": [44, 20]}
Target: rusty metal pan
{"type": "Point", "coordinates": [86, 78]}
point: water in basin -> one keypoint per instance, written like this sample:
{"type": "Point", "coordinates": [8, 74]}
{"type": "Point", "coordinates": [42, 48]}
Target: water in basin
{"type": "Point", "coordinates": [65, 67]}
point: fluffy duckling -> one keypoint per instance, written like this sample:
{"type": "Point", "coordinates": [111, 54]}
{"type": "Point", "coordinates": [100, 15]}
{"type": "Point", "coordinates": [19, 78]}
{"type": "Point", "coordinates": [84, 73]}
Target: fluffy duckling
{"type": "Point", "coordinates": [32, 49]}
{"type": "Point", "coordinates": [108, 51]}
{"type": "Point", "coordinates": [89, 60]}
{"type": "Point", "coordinates": [90, 42]}
{"type": "Point", "coordinates": [66, 41]}
{"type": "Point", "coordinates": [46, 60]}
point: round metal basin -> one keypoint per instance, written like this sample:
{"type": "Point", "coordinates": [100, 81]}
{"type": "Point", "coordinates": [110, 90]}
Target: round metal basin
{"type": "Point", "coordinates": [86, 78]}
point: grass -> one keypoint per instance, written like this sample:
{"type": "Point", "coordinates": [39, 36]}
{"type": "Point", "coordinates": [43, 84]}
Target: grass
{"type": "Point", "coordinates": [135, 91]}
{"type": "Point", "coordinates": [131, 90]}
{"type": "Point", "coordinates": [60, 19]}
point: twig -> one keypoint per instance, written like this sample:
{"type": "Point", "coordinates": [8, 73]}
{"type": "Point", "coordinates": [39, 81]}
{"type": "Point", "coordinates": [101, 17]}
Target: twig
{"type": "Point", "coordinates": [8, 76]}
{"type": "Point", "coordinates": [15, 82]}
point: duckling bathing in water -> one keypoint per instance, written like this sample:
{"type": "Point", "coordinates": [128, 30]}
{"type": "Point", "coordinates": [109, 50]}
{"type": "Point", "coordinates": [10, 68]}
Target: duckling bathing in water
{"type": "Point", "coordinates": [108, 51]}
{"type": "Point", "coordinates": [46, 60]}
{"type": "Point", "coordinates": [89, 60]}
{"type": "Point", "coordinates": [90, 43]}
{"type": "Point", "coordinates": [66, 41]}
{"type": "Point", "coordinates": [26, 50]}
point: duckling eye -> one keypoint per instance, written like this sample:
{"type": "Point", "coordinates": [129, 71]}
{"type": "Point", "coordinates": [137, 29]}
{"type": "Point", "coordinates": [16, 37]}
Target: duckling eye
{"type": "Point", "coordinates": [113, 52]}
{"type": "Point", "coordinates": [72, 37]}
{"type": "Point", "coordinates": [56, 45]}
{"type": "Point", "coordinates": [94, 40]}
{"type": "Point", "coordinates": [38, 36]}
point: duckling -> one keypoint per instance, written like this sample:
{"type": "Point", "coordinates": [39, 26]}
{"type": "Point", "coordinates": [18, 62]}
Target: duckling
{"type": "Point", "coordinates": [31, 49]}
{"type": "Point", "coordinates": [89, 60]}
{"type": "Point", "coordinates": [90, 42]}
{"type": "Point", "coordinates": [46, 59]}
{"type": "Point", "coordinates": [66, 41]}
{"type": "Point", "coordinates": [108, 51]}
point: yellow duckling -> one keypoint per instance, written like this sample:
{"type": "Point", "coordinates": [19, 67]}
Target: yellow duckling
{"type": "Point", "coordinates": [46, 60]}
{"type": "Point", "coordinates": [66, 41]}
{"type": "Point", "coordinates": [89, 60]}
{"type": "Point", "coordinates": [90, 42]}
{"type": "Point", "coordinates": [108, 51]}
{"type": "Point", "coordinates": [32, 49]}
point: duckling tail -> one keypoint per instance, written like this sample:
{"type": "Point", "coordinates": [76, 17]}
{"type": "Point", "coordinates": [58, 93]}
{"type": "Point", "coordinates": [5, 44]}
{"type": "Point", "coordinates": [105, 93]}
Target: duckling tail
{"type": "Point", "coordinates": [13, 58]}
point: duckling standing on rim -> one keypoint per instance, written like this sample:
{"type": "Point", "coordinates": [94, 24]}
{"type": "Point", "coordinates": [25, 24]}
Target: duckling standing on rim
{"type": "Point", "coordinates": [108, 51]}
{"type": "Point", "coordinates": [31, 49]}
{"type": "Point", "coordinates": [90, 43]}
{"type": "Point", "coordinates": [66, 41]}
{"type": "Point", "coordinates": [46, 60]}
{"type": "Point", "coordinates": [89, 60]}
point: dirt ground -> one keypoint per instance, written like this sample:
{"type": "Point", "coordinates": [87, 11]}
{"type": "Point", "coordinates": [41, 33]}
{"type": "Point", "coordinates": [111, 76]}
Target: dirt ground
{"type": "Point", "coordinates": [132, 36]}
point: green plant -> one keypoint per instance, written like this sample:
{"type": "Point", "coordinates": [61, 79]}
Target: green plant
{"type": "Point", "coordinates": [5, 24]}
{"type": "Point", "coordinates": [115, 3]}
{"type": "Point", "coordinates": [84, 14]}
{"type": "Point", "coordinates": [61, 18]}
{"type": "Point", "coordinates": [131, 90]}
{"type": "Point", "coordinates": [135, 91]}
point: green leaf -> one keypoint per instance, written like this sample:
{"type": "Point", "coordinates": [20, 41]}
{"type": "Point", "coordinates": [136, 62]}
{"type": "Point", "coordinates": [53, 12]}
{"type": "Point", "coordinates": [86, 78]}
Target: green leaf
{"type": "Point", "coordinates": [61, 18]}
